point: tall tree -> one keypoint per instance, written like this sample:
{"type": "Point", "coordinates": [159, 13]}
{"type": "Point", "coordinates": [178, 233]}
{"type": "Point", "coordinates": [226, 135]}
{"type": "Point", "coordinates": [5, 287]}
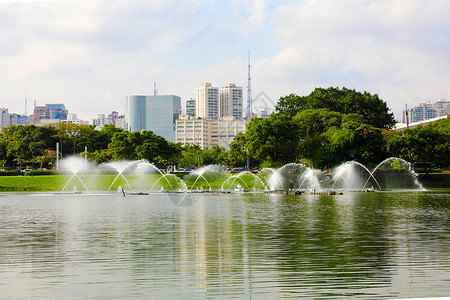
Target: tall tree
{"type": "Point", "coordinates": [373, 110]}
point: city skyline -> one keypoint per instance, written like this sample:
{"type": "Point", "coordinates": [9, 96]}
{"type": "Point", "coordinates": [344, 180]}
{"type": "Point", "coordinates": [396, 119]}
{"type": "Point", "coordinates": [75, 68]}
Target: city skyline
{"type": "Point", "coordinates": [90, 55]}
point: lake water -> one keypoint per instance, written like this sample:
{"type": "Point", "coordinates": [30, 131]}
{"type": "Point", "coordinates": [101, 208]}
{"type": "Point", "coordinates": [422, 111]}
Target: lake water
{"type": "Point", "coordinates": [244, 246]}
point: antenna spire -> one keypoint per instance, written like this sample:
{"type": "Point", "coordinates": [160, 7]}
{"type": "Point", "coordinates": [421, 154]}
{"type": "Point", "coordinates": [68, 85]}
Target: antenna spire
{"type": "Point", "coordinates": [249, 90]}
{"type": "Point", "coordinates": [155, 90]}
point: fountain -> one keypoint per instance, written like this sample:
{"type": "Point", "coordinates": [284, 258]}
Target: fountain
{"type": "Point", "coordinates": [75, 165]}
{"type": "Point", "coordinates": [395, 172]}
{"type": "Point", "coordinates": [143, 177]}
{"type": "Point", "coordinates": [237, 182]}
{"type": "Point", "coordinates": [198, 177]}
{"type": "Point", "coordinates": [351, 174]}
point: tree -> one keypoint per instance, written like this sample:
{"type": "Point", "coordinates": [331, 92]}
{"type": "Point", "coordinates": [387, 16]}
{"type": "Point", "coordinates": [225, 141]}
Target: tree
{"type": "Point", "coordinates": [272, 140]}
{"type": "Point", "coordinates": [430, 143]}
{"type": "Point", "coordinates": [373, 110]}
{"type": "Point", "coordinates": [121, 146]}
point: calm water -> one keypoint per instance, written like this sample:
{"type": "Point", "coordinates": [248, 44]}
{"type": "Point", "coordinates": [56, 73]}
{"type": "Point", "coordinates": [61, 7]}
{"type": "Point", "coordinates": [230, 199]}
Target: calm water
{"type": "Point", "coordinates": [358, 245]}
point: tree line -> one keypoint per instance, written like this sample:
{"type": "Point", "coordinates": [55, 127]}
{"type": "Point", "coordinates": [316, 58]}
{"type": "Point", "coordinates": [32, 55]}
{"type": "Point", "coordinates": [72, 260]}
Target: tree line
{"type": "Point", "coordinates": [322, 130]}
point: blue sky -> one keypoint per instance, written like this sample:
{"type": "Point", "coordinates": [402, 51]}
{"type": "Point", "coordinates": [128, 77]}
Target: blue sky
{"type": "Point", "coordinates": [90, 54]}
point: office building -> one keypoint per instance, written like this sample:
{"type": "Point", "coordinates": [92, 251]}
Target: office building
{"type": "Point", "coordinates": [426, 111]}
{"type": "Point", "coordinates": [156, 113]}
{"type": "Point", "coordinates": [57, 111]}
{"type": "Point", "coordinates": [231, 104]}
{"type": "Point", "coordinates": [208, 133]}
{"type": "Point", "coordinates": [40, 112]}
{"type": "Point", "coordinates": [4, 117]}
{"type": "Point", "coordinates": [207, 102]}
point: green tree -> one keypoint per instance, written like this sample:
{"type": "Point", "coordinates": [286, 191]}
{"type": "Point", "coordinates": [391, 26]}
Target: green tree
{"type": "Point", "coordinates": [271, 140]}
{"type": "Point", "coordinates": [373, 110]}
{"type": "Point", "coordinates": [430, 143]}
{"type": "Point", "coordinates": [122, 146]}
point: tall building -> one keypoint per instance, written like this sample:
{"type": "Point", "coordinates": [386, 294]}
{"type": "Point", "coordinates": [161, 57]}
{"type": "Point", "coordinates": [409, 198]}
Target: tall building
{"type": "Point", "coordinates": [4, 117]}
{"type": "Point", "coordinates": [157, 113]}
{"type": "Point", "coordinates": [207, 102]}
{"type": "Point", "coordinates": [231, 101]}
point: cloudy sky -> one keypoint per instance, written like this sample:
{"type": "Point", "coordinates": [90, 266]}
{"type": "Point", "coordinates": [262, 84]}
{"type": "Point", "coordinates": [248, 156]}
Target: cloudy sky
{"type": "Point", "coordinates": [90, 54]}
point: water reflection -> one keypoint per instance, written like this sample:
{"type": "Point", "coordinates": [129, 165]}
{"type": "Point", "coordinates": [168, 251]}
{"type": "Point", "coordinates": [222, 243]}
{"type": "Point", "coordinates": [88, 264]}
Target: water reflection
{"type": "Point", "coordinates": [359, 245]}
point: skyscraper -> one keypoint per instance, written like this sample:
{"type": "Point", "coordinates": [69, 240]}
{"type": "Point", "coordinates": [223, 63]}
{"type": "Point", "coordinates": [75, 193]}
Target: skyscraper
{"type": "Point", "coordinates": [157, 113]}
{"type": "Point", "coordinates": [231, 101]}
{"type": "Point", "coordinates": [207, 102]}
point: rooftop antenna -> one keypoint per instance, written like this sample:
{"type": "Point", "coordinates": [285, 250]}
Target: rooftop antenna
{"type": "Point", "coordinates": [249, 89]}
{"type": "Point", "coordinates": [155, 90]}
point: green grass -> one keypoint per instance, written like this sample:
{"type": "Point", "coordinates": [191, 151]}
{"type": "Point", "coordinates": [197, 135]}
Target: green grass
{"type": "Point", "coordinates": [111, 182]}
{"type": "Point", "coordinates": [146, 182]}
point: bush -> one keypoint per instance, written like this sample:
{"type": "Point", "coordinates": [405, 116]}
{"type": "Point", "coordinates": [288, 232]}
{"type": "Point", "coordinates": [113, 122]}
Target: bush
{"type": "Point", "coordinates": [42, 172]}
{"type": "Point", "coordinates": [9, 173]}
{"type": "Point", "coordinates": [424, 170]}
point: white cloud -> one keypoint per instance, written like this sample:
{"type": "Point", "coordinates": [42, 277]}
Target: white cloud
{"type": "Point", "coordinates": [379, 46]}
{"type": "Point", "coordinates": [91, 54]}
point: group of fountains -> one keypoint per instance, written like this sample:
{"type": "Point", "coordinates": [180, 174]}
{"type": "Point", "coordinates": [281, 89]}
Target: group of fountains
{"type": "Point", "coordinates": [142, 176]}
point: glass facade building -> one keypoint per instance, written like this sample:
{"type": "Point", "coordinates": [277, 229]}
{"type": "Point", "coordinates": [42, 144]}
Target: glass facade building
{"type": "Point", "coordinates": [155, 113]}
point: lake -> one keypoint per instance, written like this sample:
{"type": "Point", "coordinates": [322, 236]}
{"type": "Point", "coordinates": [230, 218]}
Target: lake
{"type": "Point", "coordinates": [244, 246]}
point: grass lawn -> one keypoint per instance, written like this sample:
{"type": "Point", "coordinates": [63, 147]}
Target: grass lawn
{"type": "Point", "coordinates": [109, 182]}
{"type": "Point", "coordinates": [214, 181]}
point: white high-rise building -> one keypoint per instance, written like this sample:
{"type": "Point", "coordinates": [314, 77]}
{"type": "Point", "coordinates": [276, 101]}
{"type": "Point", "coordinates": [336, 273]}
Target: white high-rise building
{"type": "Point", "coordinates": [231, 104]}
{"type": "Point", "coordinates": [4, 117]}
{"type": "Point", "coordinates": [207, 102]}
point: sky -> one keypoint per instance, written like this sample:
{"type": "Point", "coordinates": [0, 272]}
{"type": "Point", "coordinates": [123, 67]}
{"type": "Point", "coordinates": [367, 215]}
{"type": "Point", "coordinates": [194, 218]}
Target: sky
{"type": "Point", "coordinates": [91, 54]}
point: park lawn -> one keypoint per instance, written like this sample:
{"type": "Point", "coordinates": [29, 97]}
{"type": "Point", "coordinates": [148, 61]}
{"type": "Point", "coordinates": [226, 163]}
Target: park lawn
{"type": "Point", "coordinates": [30, 183]}
{"type": "Point", "coordinates": [107, 182]}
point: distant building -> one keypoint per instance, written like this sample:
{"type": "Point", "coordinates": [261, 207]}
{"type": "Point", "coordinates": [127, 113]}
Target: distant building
{"type": "Point", "coordinates": [208, 133]}
{"type": "Point", "coordinates": [207, 102]}
{"type": "Point", "coordinates": [190, 107]}
{"type": "Point", "coordinates": [442, 108]}
{"type": "Point", "coordinates": [231, 104]}
{"type": "Point", "coordinates": [100, 121]}
{"type": "Point", "coordinates": [14, 119]}
{"type": "Point", "coordinates": [40, 112]}
{"type": "Point", "coordinates": [73, 119]}
{"type": "Point", "coordinates": [112, 117]}
{"type": "Point", "coordinates": [426, 111]}
{"type": "Point", "coordinates": [57, 111]}
{"type": "Point", "coordinates": [157, 113]}
{"type": "Point", "coordinates": [121, 122]}
{"type": "Point", "coordinates": [4, 117]}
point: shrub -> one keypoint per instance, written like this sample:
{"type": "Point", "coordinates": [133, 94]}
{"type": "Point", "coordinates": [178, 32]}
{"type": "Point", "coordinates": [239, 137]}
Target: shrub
{"type": "Point", "coordinates": [42, 172]}
{"type": "Point", "coordinates": [9, 173]}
